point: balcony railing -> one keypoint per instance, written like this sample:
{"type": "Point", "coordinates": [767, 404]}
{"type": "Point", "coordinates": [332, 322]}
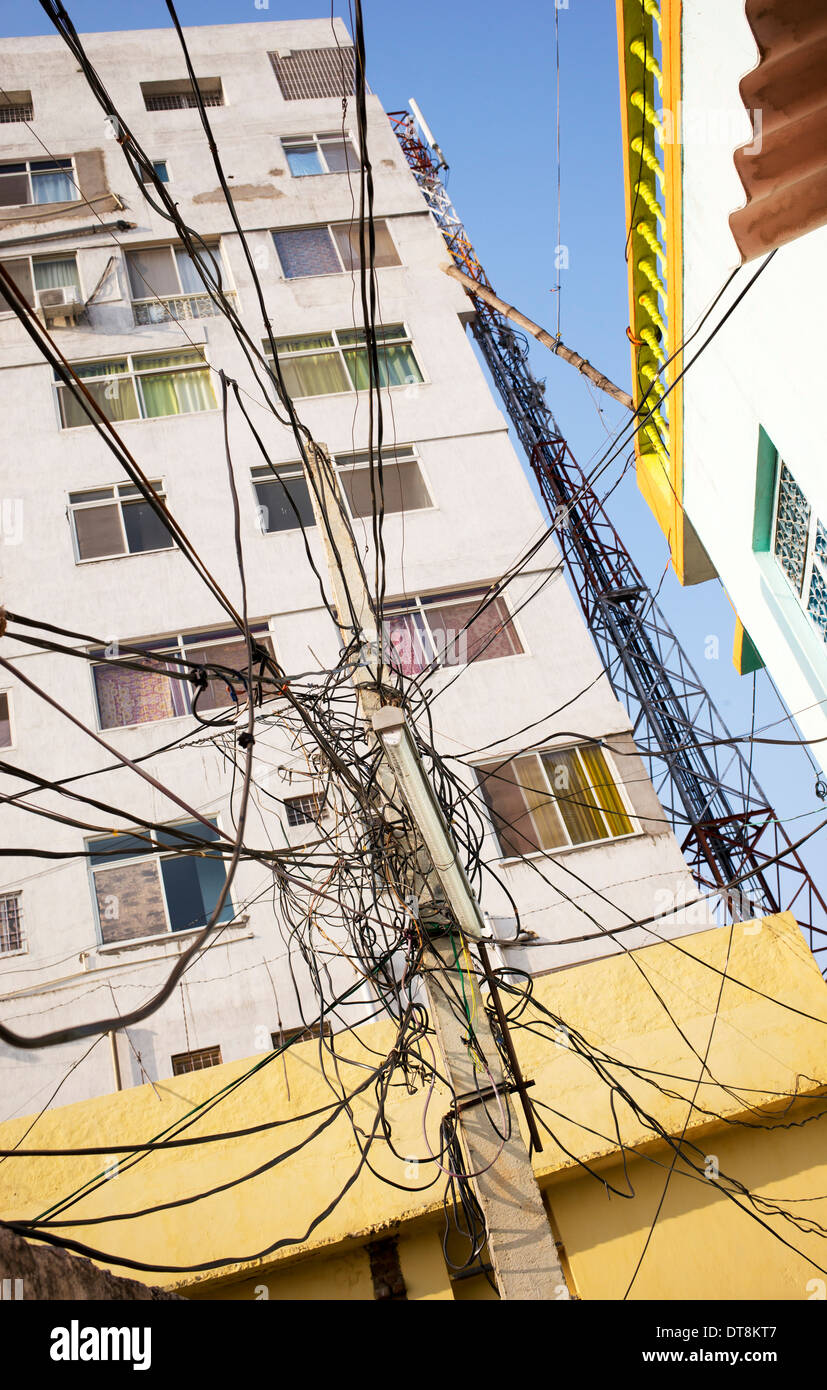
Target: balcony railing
{"type": "Point", "coordinates": [176, 306]}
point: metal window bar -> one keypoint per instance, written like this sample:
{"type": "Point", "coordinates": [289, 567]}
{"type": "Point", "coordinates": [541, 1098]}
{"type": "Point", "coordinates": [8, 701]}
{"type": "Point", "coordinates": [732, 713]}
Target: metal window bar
{"type": "Point", "coordinates": [180, 101]}
{"type": "Point", "coordinates": [308, 74]}
{"type": "Point", "coordinates": [303, 810]}
{"type": "Point", "coordinates": [20, 111]}
{"type": "Point", "coordinates": [11, 924]}
{"type": "Point", "coordinates": [198, 1060]}
{"type": "Point", "coordinates": [731, 837]}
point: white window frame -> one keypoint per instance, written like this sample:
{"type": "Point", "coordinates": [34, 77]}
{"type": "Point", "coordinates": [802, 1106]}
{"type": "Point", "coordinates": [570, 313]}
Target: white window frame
{"type": "Point", "coordinates": [177, 644]}
{"type": "Point", "coordinates": [357, 460]}
{"type": "Point", "coordinates": [263, 473]}
{"type": "Point", "coordinates": [422, 602]}
{"type": "Point", "coordinates": [330, 227]}
{"type": "Point", "coordinates": [23, 948]}
{"type": "Point", "coordinates": [69, 170]}
{"type": "Point", "coordinates": [539, 754]}
{"type": "Point", "coordinates": [151, 856]}
{"type": "Point", "coordinates": [26, 256]}
{"type": "Point", "coordinates": [134, 374]}
{"type": "Point", "coordinates": [340, 349]}
{"type": "Point", "coordinates": [344, 463]}
{"type": "Point", "coordinates": [6, 747]}
{"type": "Point", "coordinates": [319, 141]}
{"type": "Point", "coordinates": [121, 492]}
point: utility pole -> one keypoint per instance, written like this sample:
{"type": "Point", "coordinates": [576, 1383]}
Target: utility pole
{"type": "Point", "coordinates": [520, 1241]}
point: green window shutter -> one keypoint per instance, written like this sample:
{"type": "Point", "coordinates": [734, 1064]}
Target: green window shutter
{"type": "Point", "coordinates": [764, 491]}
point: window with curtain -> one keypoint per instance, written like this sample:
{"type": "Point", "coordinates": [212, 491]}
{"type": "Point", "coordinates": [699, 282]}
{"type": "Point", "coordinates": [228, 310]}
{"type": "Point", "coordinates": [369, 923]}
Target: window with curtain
{"type": "Point", "coordinates": [328, 363]}
{"type": "Point", "coordinates": [31, 273]}
{"type": "Point", "coordinates": [158, 883]}
{"type": "Point", "coordinates": [330, 250]}
{"type": "Point", "coordinates": [127, 696]}
{"type": "Point", "coordinates": [319, 154]}
{"type": "Point", "coordinates": [115, 521]}
{"type": "Point", "coordinates": [448, 630]}
{"type": "Point", "coordinates": [38, 181]}
{"type": "Point", "coordinates": [141, 387]}
{"type": "Point", "coordinates": [553, 799]}
{"type": "Point", "coordinates": [166, 283]}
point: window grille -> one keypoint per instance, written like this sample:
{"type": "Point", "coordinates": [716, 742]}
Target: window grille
{"type": "Point", "coordinates": [312, 73]}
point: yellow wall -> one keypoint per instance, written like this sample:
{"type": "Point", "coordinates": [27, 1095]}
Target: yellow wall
{"type": "Point", "coordinates": [703, 1246]}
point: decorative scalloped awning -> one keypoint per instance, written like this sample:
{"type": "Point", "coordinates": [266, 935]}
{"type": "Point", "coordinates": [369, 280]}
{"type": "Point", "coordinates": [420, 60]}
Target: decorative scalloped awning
{"type": "Point", "coordinates": [785, 175]}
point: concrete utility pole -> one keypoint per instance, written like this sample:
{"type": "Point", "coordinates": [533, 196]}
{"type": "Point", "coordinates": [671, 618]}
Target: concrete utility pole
{"type": "Point", "coordinates": [520, 1240]}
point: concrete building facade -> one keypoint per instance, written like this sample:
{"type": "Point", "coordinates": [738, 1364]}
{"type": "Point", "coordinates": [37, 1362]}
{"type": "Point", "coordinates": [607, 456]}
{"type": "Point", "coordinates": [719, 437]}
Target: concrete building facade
{"type": "Point", "coordinates": [94, 929]}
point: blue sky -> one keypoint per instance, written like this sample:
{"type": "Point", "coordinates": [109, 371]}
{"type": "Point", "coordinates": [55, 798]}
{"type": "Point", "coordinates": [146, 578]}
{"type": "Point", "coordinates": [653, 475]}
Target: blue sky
{"type": "Point", "coordinates": [484, 75]}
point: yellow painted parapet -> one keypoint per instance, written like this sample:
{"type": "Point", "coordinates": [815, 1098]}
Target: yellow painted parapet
{"type": "Point", "coordinates": [649, 48]}
{"type": "Point", "coordinates": [705, 1245]}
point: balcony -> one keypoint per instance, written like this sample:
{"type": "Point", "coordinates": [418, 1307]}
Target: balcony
{"type": "Point", "coordinates": [175, 307]}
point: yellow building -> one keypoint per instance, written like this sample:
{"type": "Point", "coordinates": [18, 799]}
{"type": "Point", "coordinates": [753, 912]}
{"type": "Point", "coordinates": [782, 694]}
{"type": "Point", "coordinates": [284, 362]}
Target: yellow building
{"type": "Point", "coordinates": [620, 1068]}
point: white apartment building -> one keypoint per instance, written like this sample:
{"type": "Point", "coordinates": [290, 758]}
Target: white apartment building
{"type": "Point", "coordinates": [82, 551]}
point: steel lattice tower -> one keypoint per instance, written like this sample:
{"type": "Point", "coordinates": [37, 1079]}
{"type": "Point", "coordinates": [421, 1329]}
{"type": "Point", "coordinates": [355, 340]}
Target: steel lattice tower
{"type": "Point", "coordinates": [728, 831]}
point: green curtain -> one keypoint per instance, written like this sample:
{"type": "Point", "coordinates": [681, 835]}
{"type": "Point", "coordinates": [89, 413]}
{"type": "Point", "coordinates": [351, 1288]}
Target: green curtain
{"type": "Point", "coordinates": [116, 398]}
{"type": "Point", "coordinates": [175, 392]}
{"type": "Point", "coordinates": [397, 366]}
{"type": "Point", "coordinates": [321, 374]}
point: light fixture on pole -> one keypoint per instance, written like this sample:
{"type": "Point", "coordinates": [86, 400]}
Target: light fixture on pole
{"type": "Point", "coordinates": [391, 729]}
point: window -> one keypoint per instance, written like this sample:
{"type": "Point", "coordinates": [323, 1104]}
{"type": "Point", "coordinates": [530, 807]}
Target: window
{"type": "Point", "coordinates": [166, 885]}
{"type": "Point", "coordinates": [799, 544]}
{"type": "Point", "coordinates": [304, 810]}
{"type": "Point", "coordinates": [322, 364]}
{"type": "Point", "coordinates": [16, 106]}
{"type": "Point", "coordinates": [203, 1057]}
{"type": "Point", "coordinates": [302, 1034]}
{"type": "Point", "coordinates": [160, 169]}
{"type": "Point", "coordinates": [319, 154]}
{"type": "Point", "coordinates": [180, 95]}
{"type": "Point", "coordinates": [6, 736]}
{"type": "Point", "coordinates": [32, 274]}
{"type": "Point", "coordinates": [403, 486]}
{"type": "Point", "coordinates": [443, 629]}
{"type": "Point", "coordinates": [307, 73]}
{"type": "Point", "coordinates": [330, 250]}
{"type": "Point", "coordinates": [167, 284]}
{"type": "Point", "coordinates": [11, 924]}
{"type": "Point", "coordinates": [555, 798]}
{"type": "Point", "coordinates": [141, 387]}
{"type": "Point", "coordinates": [109, 521]}
{"type": "Point", "coordinates": [127, 696]}
{"type": "Point", "coordinates": [38, 181]}
{"type": "Point", "coordinates": [284, 501]}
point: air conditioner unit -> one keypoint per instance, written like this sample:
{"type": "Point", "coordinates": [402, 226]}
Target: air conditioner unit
{"type": "Point", "coordinates": [62, 297]}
